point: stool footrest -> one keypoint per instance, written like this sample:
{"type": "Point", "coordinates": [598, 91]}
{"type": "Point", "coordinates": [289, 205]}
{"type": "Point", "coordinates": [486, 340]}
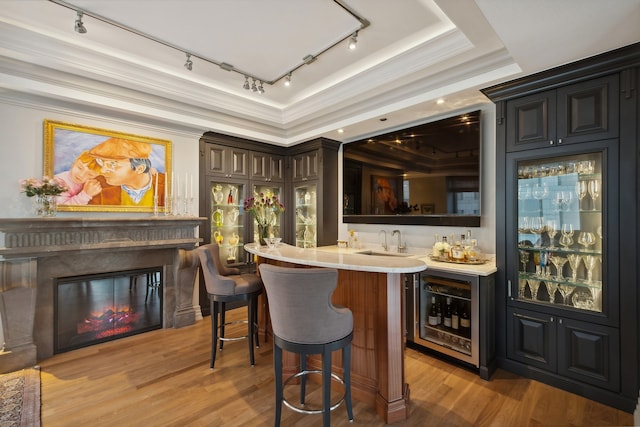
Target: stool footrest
{"type": "Point", "coordinates": [312, 411]}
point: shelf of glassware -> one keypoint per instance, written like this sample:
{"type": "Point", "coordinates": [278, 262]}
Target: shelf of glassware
{"type": "Point", "coordinates": [306, 216]}
{"type": "Point", "coordinates": [274, 222]}
{"type": "Point", "coordinates": [227, 220]}
{"type": "Point", "coordinates": [580, 289]}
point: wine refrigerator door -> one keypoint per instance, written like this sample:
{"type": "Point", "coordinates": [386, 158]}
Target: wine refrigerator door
{"type": "Point", "coordinates": [227, 220]}
{"type": "Point", "coordinates": [461, 342]}
{"type": "Point", "coordinates": [306, 227]}
{"type": "Point", "coordinates": [561, 237]}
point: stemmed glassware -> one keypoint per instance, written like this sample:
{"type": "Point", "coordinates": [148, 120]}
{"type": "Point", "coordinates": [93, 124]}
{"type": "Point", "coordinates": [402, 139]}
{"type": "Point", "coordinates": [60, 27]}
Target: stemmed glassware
{"type": "Point", "coordinates": [522, 285]}
{"type": "Point", "coordinates": [581, 190]}
{"type": "Point", "coordinates": [540, 191]}
{"type": "Point", "coordinates": [574, 263]}
{"type": "Point", "coordinates": [524, 259]}
{"type": "Point", "coordinates": [594, 191]}
{"type": "Point", "coordinates": [552, 287]}
{"type": "Point", "coordinates": [534, 284]}
{"type": "Point", "coordinates": [558, 263]}
{"type": "Point", "coordinates": [537, 227]}
{"type": "Point", "coordinates": [590, 263]}
{"type": "Point", "coordinates": [566, 239]}
{"type": "Point", "coordinates": [586, 239]}
{"type": "Point", "coordinates": [541, 260]}
{"type": "Point", "coordinates": [552, 231]}
{"type": "Point", "coordinates": [565, 291]}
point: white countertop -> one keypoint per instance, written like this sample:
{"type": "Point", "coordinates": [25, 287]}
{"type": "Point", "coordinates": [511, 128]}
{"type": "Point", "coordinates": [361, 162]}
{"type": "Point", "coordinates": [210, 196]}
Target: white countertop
{"type": "Point", "coordinates": [351, 259]}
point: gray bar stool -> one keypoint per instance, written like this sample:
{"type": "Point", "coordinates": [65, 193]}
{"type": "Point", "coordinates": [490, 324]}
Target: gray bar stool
{"type": "Point", "coordinates": [304, 321]}
{"type": "Point", "coordinates": [226, 285]}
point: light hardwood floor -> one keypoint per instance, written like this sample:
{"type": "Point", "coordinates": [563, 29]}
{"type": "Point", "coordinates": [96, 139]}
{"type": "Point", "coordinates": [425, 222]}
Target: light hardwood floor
{"type": "Point", "coordinates": [162, 378]}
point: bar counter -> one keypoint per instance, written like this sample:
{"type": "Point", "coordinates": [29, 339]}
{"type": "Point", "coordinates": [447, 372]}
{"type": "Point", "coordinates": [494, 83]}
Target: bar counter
{"type": "Point", "coordinates": [371, 287]}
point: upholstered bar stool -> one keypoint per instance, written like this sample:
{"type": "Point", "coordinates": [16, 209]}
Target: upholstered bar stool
{"type": "Point", "coordinates": [225, 285]}
{"type": "Point", "coordinates": [304, 321]}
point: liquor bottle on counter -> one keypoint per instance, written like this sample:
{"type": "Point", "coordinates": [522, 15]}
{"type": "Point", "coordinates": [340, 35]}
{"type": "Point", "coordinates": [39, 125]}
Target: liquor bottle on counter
{"type": "Point", "coordinates": [455, 318]}
{"type": "Point", "coordinates": [433, 314]}
{"type": "Point", "coordinates": [447, 314]}
{"type": "Point", "coordinates": [465, 321]}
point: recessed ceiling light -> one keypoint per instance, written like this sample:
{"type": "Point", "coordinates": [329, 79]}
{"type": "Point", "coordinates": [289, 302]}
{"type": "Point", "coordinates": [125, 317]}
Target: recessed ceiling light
{"type": "Point", "coordinates": [340, 130]}
{"type": "Point", "coordinates": [440, 101]}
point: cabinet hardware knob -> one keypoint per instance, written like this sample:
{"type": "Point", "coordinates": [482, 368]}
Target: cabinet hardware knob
{"type": "Point", "coordinates": [551, 142]}
{"type": "Point", "coordinates": [551, 319]}
{"type": "Point", "coordinates": [559, 140]}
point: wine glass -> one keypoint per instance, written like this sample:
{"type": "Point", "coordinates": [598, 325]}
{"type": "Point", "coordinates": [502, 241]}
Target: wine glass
{"type": "Point", "coordinates": [558, 200]}
{"type": "Point", "coordinates": [524, 259]}
{"type": "Point", "coordinates": [543, 259]}
{"type": "Point", "coordinates": [565, 291]}
{"type": "Point", "coordinates": [534, 284]}
{"type": "Point", "coordinates": [558, 263]}
{"type": "Point", "coordinates": [552, 231]}
{"type": "Point", "coordinates": [590, 263]}
{"type": "Point", "coordinates": [574, 263]}
{"type": "Point", "coordinates": [522, 285]}
{"type": "Point", "coordinates": [582, 298]}
{"type": "Point", "coordinates": [586, 239]}
{"type": "Point", "coordinates": [540, 191]}
{"type": "Point", "coordinates": [552, 287]}
{"type": "Point", "coordinates": [523, 224]}
{"type": "Point", "coordinates": [581, 190]}
{"type": "Point", "coordinates": [594, 191]}
{"type": "Point", "coordinates": [537, 227]}
{"type": "Point", "coordinates": [566, 239]}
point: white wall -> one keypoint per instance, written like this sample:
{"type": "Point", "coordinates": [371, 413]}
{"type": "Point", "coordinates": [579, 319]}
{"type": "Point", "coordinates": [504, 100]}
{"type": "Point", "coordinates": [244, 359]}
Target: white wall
{"type": "Point", "coordinates": [417, 236]}
{"type": "Point", "coordinates": [21, 150]}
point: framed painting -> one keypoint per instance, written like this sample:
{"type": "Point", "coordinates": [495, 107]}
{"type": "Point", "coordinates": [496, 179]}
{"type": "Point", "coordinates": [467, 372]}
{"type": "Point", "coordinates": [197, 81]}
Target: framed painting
{"type": "Point", "coordinates": [106, 170]}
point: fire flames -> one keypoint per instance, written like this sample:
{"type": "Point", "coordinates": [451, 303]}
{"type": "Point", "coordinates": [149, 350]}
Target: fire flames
{"type": "Point", "coordinates": [109, 323]}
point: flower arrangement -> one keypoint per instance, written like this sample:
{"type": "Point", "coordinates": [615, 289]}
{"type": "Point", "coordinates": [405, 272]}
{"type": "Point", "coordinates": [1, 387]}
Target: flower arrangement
{"type": "Point", "coordinates": [42, 187]}
{"type": "Point", "coordinates": [264, 208]}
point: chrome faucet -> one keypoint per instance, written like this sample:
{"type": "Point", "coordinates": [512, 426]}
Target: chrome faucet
{"type": "Point", "coordinates": [401, 247]}
{"type": "Point", "coordinates": [384, 245]}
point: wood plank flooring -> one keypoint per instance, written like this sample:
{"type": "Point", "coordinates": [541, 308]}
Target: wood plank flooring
{"type": "Point", "coordinates": [162, 378]}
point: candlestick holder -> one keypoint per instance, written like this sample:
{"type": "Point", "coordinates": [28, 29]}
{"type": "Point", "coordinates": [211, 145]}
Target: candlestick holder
{"type": "Point", "coordinates": [167, 206]}
{"type": "Point", "coordinates": [155, 206]}
{"type": "Point", "coordinates": [176, 206]}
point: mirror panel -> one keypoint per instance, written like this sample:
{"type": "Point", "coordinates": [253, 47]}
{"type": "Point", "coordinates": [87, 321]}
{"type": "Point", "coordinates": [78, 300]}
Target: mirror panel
{"type": "Point", "coordinates": [427, 174]}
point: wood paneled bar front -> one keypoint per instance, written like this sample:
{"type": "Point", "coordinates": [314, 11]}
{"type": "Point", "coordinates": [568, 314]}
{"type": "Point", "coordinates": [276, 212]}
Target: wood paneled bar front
{"type": "Point", "coordinates": [371, 287]}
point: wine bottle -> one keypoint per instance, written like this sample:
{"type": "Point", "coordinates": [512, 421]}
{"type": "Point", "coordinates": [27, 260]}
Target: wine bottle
{"type": "Point", "coordinates": [465, 321]}
{"type": "Point", "coordinates": [439, 312]}
{"type": "Point", "coordinates": [230, 198]}
{"type": "Point", "coordinates": [433, 315]}
{"type": "Point", "coordinates": [455, 318]}
{"type": "Point", "coordinates": [447, 314]}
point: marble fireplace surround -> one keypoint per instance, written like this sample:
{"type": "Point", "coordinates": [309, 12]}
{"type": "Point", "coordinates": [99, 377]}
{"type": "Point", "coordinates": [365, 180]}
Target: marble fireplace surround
{"type": "Point", "coordinates": [36, 251]}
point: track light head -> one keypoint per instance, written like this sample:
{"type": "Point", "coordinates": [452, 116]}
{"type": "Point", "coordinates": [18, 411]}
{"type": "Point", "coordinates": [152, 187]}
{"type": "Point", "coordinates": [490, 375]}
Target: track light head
{"type": "Point", "coordinates": [287, 80]}
{"type": "Point", "coordinates": [353, 41]}
{"type": "Point", "coordinates": [254, 88]}
{"type": "Point", "coordinates": [260, 88]}
{"type": "Point", "coordinates": [189, 64]}
{"type": "Point", "coordinates": [246, 83]}
{"type": "Point", "coordinates": [79, 27]}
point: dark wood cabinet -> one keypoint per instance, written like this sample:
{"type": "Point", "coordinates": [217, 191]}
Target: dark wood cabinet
{"type": "Point", "coordinates": [267, 167]}
{"type": "Point", "coordinates": [226, 162]}
{"type": "Point", "coordinates": [548, 126]}
{"type": "Point", "coordinates": [305, 166]}
{"type": "Point", "coordinates": [580, 112]}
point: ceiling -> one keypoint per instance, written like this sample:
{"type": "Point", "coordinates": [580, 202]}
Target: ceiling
{"type": "Point", "coordinates": [413, 53]}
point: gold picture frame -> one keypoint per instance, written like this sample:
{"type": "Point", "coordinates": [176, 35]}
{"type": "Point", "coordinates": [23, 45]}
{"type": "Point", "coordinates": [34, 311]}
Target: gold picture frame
{"type": "Point", "coordinates": [106, 171]}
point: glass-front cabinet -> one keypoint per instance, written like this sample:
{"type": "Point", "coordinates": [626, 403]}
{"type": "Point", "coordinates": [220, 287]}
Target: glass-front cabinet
{"type": "Point", "coordinates": [560, 231]}
{"type": "Point", "coordinates": [227, 219]}
{"type": "Point", "coordinates": [306, 202]}
{"type": "Point", "coordinates": [275, 221]}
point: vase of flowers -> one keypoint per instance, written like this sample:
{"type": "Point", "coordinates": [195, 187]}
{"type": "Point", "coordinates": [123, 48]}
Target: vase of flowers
{"type": "Point", "coordinates": [265, 209]}
{"type": "Point", "coordinates": [44, 192]}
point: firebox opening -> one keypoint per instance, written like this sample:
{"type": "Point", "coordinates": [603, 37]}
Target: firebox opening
{"type": "Point", "coordinates": [102, 307]}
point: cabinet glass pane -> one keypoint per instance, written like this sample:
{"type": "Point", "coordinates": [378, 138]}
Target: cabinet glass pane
{"type": "Point", "coordinates": [227, 219]}
{"type": "Point", "coordinates": [560, 231]}
{"type": "Point", "coordinates": [305, 198]}
{"type": "Point", "coordinates": [276, 220]}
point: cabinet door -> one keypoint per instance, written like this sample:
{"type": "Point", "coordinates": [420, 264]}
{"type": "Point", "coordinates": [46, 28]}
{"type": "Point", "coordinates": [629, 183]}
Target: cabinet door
{"type": "Point", "coordinates": [531, 338]}
{"type": "Point", "coordinates": [589, 353]}
{"type": "Point", "coordinates": [267, 167]}
{"type": "Point", "coordinates": [589, 110]}
{"type": "Point", "coordinates": [225, 161]}
{"type": "Point", "coordinates": [305, 166]}
{"type": "Point", "coordinates": [531, 121]}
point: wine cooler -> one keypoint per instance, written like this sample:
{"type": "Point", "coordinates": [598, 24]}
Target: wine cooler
{"type": "Point", "coordinates": [443, 314]}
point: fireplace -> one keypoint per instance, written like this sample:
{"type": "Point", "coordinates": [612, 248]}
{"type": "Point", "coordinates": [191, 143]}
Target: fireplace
{"type": "Point", "coordinates": [37, 254]}
{"type": "Point", "coordinates": [97, 308]}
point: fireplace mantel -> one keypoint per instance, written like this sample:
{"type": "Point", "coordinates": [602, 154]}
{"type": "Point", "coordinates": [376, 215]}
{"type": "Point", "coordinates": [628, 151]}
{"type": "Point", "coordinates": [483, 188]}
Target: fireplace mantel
{"type": "Point", "coordinates": [36, 251]}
